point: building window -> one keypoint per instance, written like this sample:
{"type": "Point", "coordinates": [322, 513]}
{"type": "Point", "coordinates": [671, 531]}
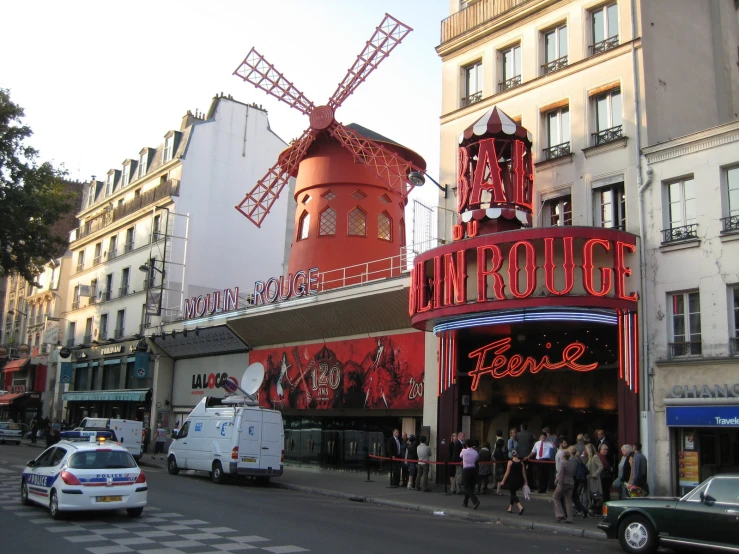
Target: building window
{"type": "Point", "coordinates": [686, 324]}
{"type": "Point", "coordinates": [384, 199]}
{"type": "Point", "coordinates": [327, 223]}
{"type": "Point", "coordinates": [125, 278]}
{"type": "Point", "coordinates": [143, 159]}
{"type": "Point", "coordinates": [558, 133]}
{"type": "Point", "coordinates": [112, 247]}
{"type": "Point", "coordinates": [558, 211]}
{"type": "Point", "coordinates": [103, 329]}
{"type": "Point", "coordinates": [106, 294]}
{"type": "Point", "coordinates": [109, 184]}
{"type": "Point", "coordinates": [91, 194]}
{"type": "Point", "coordinates": [152, 275]}
{"type": "Point", "coordinates": [472, 75]}
{"type": "Point", "coordinates": [731, 222]}
{"type": "Point", "coordinates": [112, 377]}
{"type": "Point", "coordinates": [128, 246]}
{"type": "Point", "coordinates": [329, 195]}
{"type": "Point", "coordinates": [97, 258]}
{"type": "Point", "coordinates": [357, 223]}
{"type": "Point", "coordinates": [120, 321]}
{"type": "Point", "coordinates": [608, 117]}
{"type": "Point", "coordinates": [358, 195]}
{"type": "Point", "coordinates": [156, 227]}
{"type": "Point", "coordinates": [604, 28]}
{"type": "Point", "coordinates": [510, 71]}
{"type": "Point", "coordinates": [87, 339]}
{"type": "Point", "coordinates": [735, 319]}
{"type": "Point", "coordinates": [168, 148]}
{"type": "Point", "coordinates": [303, 225]}
{"type": "Point", "coordinates": [384, 227]}
{"type": "Point", "coordinates": [306, 198]}
{"type": "Point", "coordinates": [126, 174]}
{"type": "Point", "coordinates": [555, 49]}
{"type": "Point", "coordinates": [610, 207]}
{"type": "Point", "coordinates": [81, 260]}
{"type": "Point", "coordinates": [402, 232]}
{"type": "Point", "coordinates": [71, 330]}
{"type": "Point", "coordinates": [681, 213]}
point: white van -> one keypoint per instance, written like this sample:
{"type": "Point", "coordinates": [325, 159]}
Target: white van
{"type": "Point", "coordinates": [227, 438]}
{"type": "Point", "coordinates": [129, 433]}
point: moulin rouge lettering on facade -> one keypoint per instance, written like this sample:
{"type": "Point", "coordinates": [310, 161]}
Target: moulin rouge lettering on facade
{"type": "Point", "coordinates": [212, 303]}
{"type": "Point", "coordinates": [485, 259]}
{"type": "Point", "coordinates": [491, 360]}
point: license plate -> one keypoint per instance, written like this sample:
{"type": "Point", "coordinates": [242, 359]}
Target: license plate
{"type": "Point", "coordinates": [109, 498]}
{"type": "Point", "coordinates": [248, 460]}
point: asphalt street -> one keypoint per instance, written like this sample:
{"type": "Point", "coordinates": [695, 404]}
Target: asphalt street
{"type": "Point", "coordinates": [190, 514]}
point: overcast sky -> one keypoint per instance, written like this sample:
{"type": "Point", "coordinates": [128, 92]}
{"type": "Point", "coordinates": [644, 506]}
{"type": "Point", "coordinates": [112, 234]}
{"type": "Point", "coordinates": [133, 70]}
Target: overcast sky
{"type": "Point", "coordinates": [101, 80]}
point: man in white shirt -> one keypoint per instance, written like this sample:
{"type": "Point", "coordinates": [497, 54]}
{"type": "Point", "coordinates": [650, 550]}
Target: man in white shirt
{"type": "Point", "coordinates": [543, 450]}
{"type": "Point", "coordinates": [424, 457]}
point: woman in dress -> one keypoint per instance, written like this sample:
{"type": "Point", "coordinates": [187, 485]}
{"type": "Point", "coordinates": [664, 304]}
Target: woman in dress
{"type": "Point", "coordinates": [515, 476]}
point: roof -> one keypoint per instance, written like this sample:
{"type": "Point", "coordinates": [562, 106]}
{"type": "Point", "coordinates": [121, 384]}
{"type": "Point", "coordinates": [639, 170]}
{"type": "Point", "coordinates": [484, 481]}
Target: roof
{"type": "Point", "coordinates": [415, 157]}
{"type": "Point", "coordinates": [494, 122]}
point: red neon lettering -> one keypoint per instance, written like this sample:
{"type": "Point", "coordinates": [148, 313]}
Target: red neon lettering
{"type": "Point", "coordinates": [514, 268]}
{"type": "Point", "coordinates": [463, 182]}
{"type": "Point", "coordinates": [482, 273]}
{"type": "Point", "coordinates": [412, 294]}
{"type": "Point", "coordinates": [501, 366]}
{"type": "Point", "coordinates": [521, 176]}
{"type": "Point", "coordinates": [457, 232]}
{"type": "Point", "coordinates": [622, 271]}
{"type": "Point", "coordinates": [438, 278]}
{"type": "Point", "coordinates": [587, 268]}
{"type": "Point", "coordinates": [424, 304]}
{"type": "Point", "coordinates": [487, 160]}
{"type": "Point", "coordinates": [568, 265]}
{"type": "Point", "coordinates": [455, 278]}
{"type": "Point", "coordinates": [473, 228]}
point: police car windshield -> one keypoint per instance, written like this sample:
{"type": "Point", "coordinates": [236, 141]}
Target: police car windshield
{"type": "Point", "coordinates": [101, 459]}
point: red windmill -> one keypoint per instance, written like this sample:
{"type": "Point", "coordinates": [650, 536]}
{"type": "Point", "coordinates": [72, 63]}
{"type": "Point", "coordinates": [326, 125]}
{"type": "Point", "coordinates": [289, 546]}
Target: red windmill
{"type": "Point", "coordinates": [338, 200]}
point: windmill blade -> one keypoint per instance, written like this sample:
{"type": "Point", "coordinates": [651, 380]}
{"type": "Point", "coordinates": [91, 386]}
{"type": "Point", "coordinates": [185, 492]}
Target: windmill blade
{"type": "Point", "coordinates": [262, 74]}
{"type": "Point", "coordinates": [258, 202]}
{"type": "Point", "coordinates": [389, 33]}
{"type": "Point", "coordinates": [390, 167]}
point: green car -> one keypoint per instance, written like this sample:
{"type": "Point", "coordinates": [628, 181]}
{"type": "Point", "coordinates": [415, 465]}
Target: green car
{"type": "Point", "coordinates": [706, 519]}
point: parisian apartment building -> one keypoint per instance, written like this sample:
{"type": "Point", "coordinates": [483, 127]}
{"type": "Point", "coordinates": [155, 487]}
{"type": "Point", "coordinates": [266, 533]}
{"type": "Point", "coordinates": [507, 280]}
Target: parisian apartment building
{"type": "Point", "coordinates": [597, 84]}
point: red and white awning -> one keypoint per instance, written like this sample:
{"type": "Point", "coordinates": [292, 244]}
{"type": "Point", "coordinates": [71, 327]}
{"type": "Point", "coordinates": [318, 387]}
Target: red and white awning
{"type": "Point", "coordinates": [494, 122]}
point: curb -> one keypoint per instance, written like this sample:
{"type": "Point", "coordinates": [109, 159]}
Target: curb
{"type": "Point", "coordinates": [480, 518]}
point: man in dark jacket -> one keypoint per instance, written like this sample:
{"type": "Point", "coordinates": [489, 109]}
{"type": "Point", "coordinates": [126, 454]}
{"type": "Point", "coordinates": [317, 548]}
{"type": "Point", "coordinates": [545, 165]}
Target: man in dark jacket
{"type": "Point", "coordinates": [393, 451]}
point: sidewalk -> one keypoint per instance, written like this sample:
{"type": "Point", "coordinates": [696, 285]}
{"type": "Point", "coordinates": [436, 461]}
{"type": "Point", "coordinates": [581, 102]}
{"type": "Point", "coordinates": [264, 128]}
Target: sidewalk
{"type": "Point", "coordinates": [349, 485]}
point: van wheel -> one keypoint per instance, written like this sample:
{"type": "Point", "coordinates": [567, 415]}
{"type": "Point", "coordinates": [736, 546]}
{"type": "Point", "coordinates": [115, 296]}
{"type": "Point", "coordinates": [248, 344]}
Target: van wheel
{"type": "Point", "coordinates": [217, 474]}
{"type": "Point", "coordinates": [172, 466]}
{"type": "Point", "coordinates": [264, 481]}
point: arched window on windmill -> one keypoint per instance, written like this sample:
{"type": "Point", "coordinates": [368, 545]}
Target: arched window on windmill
{"type": "Point", "coordinates": [384, 226]}
{"type": "Point", "coordinates": [303, 225]}
{"type": "Point", "coordinates": [327, 223]}
{"type": "Point", "coordinates": [357, 223]}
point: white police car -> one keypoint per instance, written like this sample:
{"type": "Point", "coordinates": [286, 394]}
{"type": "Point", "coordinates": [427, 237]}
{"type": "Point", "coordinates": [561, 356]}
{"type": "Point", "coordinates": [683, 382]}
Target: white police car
{"type": "Point", "coordinates": [85, 471]}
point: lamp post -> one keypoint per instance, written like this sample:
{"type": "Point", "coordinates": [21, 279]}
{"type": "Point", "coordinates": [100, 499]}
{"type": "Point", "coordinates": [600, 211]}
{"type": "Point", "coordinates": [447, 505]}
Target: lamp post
{"type": "Point", "coordinates": [419, 179]}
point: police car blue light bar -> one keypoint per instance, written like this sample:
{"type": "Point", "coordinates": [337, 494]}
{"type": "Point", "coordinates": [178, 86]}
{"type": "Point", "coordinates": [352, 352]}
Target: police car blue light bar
{"type": "Point", "coordinates": [87, 435]}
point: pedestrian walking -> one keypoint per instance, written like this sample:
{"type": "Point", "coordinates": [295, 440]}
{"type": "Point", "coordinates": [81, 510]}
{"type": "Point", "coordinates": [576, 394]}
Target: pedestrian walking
{"type": "Point", "coordinates": [606, 476]}
{"type": "Point", "coordinates": [580, 477]}
{"type": "Point", "coordinates": [146, 439]}
{"type": "Point", "coordinates": [638, 470]}
{"type": "Point", "coordinates": [595, 489]}
{"type": "Point", "coordinates": [393, 450]}
{"type": "Point", "coordinates": [512, 442]}
{"type": "Point", "coordinates": [564, 482]}
{"type": "Point", "coordinates": [500, 456]}
{"type": "Point", "coordinates": [469, 473]}
{"type": "Point", "coordinates": [411, 457]}
{"type": "Point", "coordinates": [515, 478]}
{"type": "Point", "coordinates": [424, 459]}
{"type": "Point", "coordinates": [485, 470]}
{"type": "Point", "coordinates": [403, 465]}
{"type": "Point", "coordinates": [160, 441]}
{"type": "Point", "coordinates": [457, 458]}
{"type": "Point", "coordinates": [34, 430]}
{"type": "Point", "coordinates": [624, 471]}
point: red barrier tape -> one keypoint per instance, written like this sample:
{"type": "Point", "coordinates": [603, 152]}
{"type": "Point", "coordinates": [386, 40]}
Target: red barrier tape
{"type": "Point", "coordinates": [456, 463]}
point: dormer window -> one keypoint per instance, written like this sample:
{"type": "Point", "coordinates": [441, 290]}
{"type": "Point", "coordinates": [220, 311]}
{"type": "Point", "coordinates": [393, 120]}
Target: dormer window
{"type": "Point", "coordinates": [91, 194]}
{"type": "Point", "coordinates": [126, 174]}
{"type": "Point", "coordinates": [143, 163]}
{"type": "Point", "coordinates": [109, 184]}
{"type": "Point", "coordinates": [168, 148]}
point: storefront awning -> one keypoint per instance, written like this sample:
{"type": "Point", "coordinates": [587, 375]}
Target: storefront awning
{"type": "Point", "coordinates": [15, 365]}
{"type": "Point", "coordinates": [8, 398]}
{"type": "Point", "coordinates": [128, 395]}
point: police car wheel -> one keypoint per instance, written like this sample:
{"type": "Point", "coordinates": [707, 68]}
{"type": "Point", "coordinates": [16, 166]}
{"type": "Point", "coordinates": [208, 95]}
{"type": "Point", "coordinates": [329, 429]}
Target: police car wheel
{"type": "Point", "coordinates": [172, 468]}
{"type": "Point", "coordinates": [134, 512]}
{"type": "Point", "coordinates": [217, 474]}
{"type": "Point", "coordinates": [54, 506]}
{"type": "Point", "coordinates": [24, 494]}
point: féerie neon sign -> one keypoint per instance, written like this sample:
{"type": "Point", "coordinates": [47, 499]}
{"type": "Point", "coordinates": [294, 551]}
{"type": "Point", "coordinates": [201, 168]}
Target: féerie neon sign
{"type": "Point", "coordinates": [502, 366]}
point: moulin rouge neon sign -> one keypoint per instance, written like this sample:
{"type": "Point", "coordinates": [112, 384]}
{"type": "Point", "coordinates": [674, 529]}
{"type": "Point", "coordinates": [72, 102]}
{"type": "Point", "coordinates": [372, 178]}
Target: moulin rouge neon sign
{"type": "Point", "coordinates": [491, 359]}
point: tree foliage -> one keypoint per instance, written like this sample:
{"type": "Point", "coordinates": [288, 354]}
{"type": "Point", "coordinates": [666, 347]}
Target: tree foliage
{"type": "Point", "coordinates": [32, 198]}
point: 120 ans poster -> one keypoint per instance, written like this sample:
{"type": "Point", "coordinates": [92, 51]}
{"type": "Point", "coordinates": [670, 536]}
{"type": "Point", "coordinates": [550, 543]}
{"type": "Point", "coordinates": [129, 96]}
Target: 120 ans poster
{"type": "Point", "coordinates": [378, 373]}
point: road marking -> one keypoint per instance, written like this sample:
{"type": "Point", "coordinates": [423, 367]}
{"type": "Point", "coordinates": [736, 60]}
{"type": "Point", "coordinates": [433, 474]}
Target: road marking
{"type": "Point", "coordinates": [250, 538]}
{"type": "Point", "coordinates": [283, 549]}
{"type": "Point", "coordinates": [3, 470]}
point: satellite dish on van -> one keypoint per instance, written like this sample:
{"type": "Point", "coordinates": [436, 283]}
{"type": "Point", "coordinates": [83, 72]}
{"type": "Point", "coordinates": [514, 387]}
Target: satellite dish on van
{"type": "Point", "coordinates": [252, 378]}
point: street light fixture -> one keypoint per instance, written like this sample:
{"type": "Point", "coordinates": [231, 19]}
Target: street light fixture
{"type": "Point", "coordinates": [419, 179]}
{"type": "Point", "coordinates": [147, 269]}
{"type": "Point", "coordinates": [17, 312]}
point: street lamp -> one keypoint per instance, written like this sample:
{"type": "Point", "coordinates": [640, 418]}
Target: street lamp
{"type": "Point", "coordinates": [17, 312]}
{"type": "Point", "coordinates": [419, 179]}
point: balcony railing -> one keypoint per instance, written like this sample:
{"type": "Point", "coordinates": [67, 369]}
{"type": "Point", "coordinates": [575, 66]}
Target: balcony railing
{"type": "Point", "coordinates": [87, 339]}
{"type": "Point", "coordinates": [603, 45]}
{"type": "Point", "coordinates": [80, 267]}
{"type": "Point", "coordinates": [169, 188]}
{"type": "Point", "coordinates": [76, 304]}
{"type": "Point", "coordinates": [513, 82]}
{"type": "Point", "coordinates": [730, 223]}
{"type": "Point", "coordinates": [473, 98]}
{"type": "Point", "coordinates": [608, 135]}
{"type": "Point", "coordinates": [96, 260]}
{"type": "Point", "coordinates": [102, 334]}
{"type": "Point", "coordinates": [127, 247]}
{"type": "Point", "coordinates": [734, 345]}
{"type": "Point", "coordinates": [686, 232]}
{"type": "Point", "coordinates": [70, 343]}
{"type": "Point", "coordinates": [123, 291]}
{"type": "Point", "coordinates": [557, 151]}
{"type": "Point", "coordinates": [682, 349]}
{"type": "Point", "coordinates": [554, 65]}
{"type": "Point", "coordinates": [112, 254]}
{"type": "Point", "coordinates": [474, 15]}
{"type": "Point", "coordinates": [118, 334]}
{"type": "Point", "coordinates": [104, 296]}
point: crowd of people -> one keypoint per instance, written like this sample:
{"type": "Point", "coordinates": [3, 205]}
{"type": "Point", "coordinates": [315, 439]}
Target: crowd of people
{"type": "Point", "coordinates": [583, 473]}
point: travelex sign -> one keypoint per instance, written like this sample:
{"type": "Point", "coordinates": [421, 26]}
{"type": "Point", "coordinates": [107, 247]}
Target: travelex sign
{"type": "Point", "coordinates": [702, 416]}
{"type": "Point", "coordinates": [273, 290]}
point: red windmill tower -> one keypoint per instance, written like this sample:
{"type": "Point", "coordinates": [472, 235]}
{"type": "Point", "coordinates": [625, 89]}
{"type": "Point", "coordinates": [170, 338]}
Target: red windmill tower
{"type": "Point", "coordinates": [347, 212]}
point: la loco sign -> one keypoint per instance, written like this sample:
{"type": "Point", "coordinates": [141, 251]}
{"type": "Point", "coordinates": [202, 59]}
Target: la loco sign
{"type": "Point", "coordinates": [562, 266]}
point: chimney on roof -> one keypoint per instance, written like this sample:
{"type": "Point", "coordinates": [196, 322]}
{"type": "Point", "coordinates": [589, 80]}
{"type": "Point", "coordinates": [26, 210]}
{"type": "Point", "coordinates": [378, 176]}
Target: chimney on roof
{"type": "Point", "coordinates": [187, 120]}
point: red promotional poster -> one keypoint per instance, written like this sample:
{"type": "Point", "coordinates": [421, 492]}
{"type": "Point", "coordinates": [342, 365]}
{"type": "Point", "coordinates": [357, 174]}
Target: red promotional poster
{"type": "Point", "coordinates": [379, 373]}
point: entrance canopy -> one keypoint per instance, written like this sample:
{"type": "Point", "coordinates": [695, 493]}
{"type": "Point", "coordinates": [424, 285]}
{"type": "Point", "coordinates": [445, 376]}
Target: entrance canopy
{"type": "Point", "coordinates": [9, 398]}
{"type": "Point", "coordinates": [15, 365]}
{"type": "Point", "coordinates": [129, 395]}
